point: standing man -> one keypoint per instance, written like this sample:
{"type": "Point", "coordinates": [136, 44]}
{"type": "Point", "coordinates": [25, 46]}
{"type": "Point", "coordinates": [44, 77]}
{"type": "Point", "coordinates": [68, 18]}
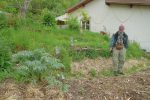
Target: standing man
{"type": "Point", "coordinates": [118, 45]}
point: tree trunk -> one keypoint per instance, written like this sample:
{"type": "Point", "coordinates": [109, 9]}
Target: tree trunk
{"type": "Point", "coordinates": [23, 7]}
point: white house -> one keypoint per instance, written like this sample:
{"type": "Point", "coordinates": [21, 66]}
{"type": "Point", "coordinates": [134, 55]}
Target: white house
{"type": "Point", "coordinates": [107, 15]}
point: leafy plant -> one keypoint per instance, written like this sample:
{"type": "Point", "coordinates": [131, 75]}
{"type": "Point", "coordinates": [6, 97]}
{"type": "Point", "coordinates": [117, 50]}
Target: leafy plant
{"type": "Point", "coordinates": [5, 54]}
{"type": "Point", "coordinates": [106, 72]}
{"type": "Point", "coordinates": [73, 24]}
{"type": "Point", "coordinates": [66, 60]}
{"type": "Point", "coordinates": [35, 66]}
{"type": "Point", "coordinates": [85, 16]}
{"type": "Point", "coordinates": [134, 50]}
{"type": "Point", "coordinates": [52, 81]}
{"type": "Point", "coordinates": [49, 20]}
{"type": "Point", "coordinates": [3, 20]}
{"type": "Point", "coordinates": [93, 72]}
{"type": "Point", "coordinates": [3, 75]}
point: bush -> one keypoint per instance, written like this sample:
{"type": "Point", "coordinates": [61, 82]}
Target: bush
{"type": "Point", "coordinates": [5, 55]}
{"type": "Point", "coordinates": [66, 60]}
{"type": "Point", "coordinates": [49, 20]}
{"type": "Point", "coordinates": [3, 20]}
{"type": "Point", "coordinates": [73, 24]}
{"type": "Point", "coordinates": [35, 66]}
{"type": "Point", "coordinates": [134, 50]}
{"type": "Point", "coordinates": [11, 9]}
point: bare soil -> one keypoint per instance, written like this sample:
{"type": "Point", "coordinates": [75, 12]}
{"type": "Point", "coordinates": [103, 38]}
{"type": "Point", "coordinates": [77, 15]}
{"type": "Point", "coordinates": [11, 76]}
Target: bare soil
{"type": "Point", "coordinates": [100, 64]}
{"type": "Point", "coordinates": [135, 87]}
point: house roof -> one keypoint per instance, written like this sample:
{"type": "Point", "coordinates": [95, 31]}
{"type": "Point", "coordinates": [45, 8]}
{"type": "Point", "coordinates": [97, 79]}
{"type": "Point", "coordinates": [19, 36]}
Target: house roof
{"type": "Point", "coordinates": [79, 5]}
{"type": "Point", "coordinates": [124, 2]}
{"type": "Point", "coordinates": [62, 18]}
{"type": "Point", "coordinates": [128, 2]}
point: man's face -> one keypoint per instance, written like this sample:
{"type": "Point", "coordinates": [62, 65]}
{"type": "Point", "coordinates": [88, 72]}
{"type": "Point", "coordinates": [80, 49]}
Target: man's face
{"type": "Point", "coordinates": [121, 28]}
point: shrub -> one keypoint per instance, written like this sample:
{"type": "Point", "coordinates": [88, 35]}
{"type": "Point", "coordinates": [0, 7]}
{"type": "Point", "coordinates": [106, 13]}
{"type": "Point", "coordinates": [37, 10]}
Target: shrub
{"type": "Point", "coordinates": [5, 54]}
{"type": "Point", "coordinates": [134, 50]}
{"type": "Point", "coordinates": [36, 65]}
{"type": "Point", "coordinates": [66, 60]}
{"type": "Point", "coordinates": [73, 24]}
{"type": "Point", "coordinates": [3, 20]}
{"type": "Point", "coordinates": [11, 9]}
{"type": "Point", "coordinates": [7, 19]}
{"type": "Point", "coordinates": [49, 20]}
{"type": "Point", "coordinates": [3, 4]}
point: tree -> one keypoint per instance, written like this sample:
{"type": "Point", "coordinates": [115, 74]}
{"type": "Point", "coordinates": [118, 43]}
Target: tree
{"type": "Point", "coordinates": [23, 6]}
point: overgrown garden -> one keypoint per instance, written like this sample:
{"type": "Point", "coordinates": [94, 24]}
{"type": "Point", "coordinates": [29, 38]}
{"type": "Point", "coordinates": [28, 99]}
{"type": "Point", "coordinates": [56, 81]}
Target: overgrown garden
{"type": "Point", "coordinates": [34, 49]}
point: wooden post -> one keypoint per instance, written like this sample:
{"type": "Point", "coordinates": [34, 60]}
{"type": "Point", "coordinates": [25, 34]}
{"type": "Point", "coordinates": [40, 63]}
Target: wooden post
{"type": "Point", "coordinates": [57, 51]}
{"type": "Point", "coordinates": [71, 41]}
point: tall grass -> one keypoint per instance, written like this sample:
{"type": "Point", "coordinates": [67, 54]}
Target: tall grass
{"type": "Point", "coordinates": [27, 38]}
{"type": "Point", "coordinates": [30, 36]}
{"type": "Point", "coordinates": [134, 50]}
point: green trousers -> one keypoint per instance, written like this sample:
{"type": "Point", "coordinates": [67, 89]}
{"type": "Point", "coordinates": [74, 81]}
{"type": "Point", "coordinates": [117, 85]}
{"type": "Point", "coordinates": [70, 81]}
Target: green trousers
{"type": "Point", "coordinates": [118, 59]}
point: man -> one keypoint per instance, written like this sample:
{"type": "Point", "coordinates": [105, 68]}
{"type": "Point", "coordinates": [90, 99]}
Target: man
{"type": "Point", "coordinates": [118, 45]}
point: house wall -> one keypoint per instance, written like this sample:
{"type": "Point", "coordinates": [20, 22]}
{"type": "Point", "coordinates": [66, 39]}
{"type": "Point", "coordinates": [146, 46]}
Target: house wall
{"type": "Point", "coordinates": [136, 20]}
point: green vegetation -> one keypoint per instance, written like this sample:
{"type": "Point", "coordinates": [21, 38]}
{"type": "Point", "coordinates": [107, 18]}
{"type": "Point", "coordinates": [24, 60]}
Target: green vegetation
{"type": "Point", "coordinates": [24, 31]}
{"type": "Point", "coordinates": [136, 69]}
{"type": "Point", "coordinates": [129, 71]}
{"type": "Point", "coordinates": [5, 54]}
{"type": "Point", "coordinates": [2, 20]}
{"type": "Point", "coordinates": [93, 73]}
{"type": "Point", "coordinates": [134, 50]}
{"type": "Point", "coordinates": [35, 65]}
{"type": "Point", "coordinates": [73, 24]}
{"type": "Point", "coordinates": [105, 72]}
{"type": "Point", "coordinates": [35, 7]}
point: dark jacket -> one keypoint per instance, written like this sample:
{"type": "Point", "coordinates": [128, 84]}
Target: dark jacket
{"type": "Point", "coordinates": [114, 40]}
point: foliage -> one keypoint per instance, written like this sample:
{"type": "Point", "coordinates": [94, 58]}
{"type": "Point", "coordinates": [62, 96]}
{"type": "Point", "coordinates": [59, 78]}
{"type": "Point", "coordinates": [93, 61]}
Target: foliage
{"type": "Point", "coordinates": [35, 7]}
{"type": "Point", "coordinates": [93, 73]}
{"type": "Point", "coordinates": [35, 66]}
{"type": "Point", "coordinates": [146, 55]}
{"type": "Point", "coordinates": [85, 16]}
{"type": "Point", "coordinates": [66, 60]}
{"type": "Point", "coordinates": [106, 72]}
{"type": "Point", "coordinates": [5, 54]}
{"type": "Point", "coordinates": [3, 4]}
{"type": "Point", "coordinates": [3, 20]}
{"type": "Point", "coordinates": [134, 69]}
{"type": "Point", "coordinates": [73, 24]}
{"type": "Point", "coordinates": [52, 82]}
{"type": "Point", "coordinates": [4, 74]}
{"type": "Point", "coordinates": [134, 50]}
{"type": "Point", "coordinates": [34, 35]}
{"type": "Point", "coordinates": [11, 9]}
{"type": "Point", "coordinates": [57, 7]}
{"type": "Point", "coordinates": [49, 20]}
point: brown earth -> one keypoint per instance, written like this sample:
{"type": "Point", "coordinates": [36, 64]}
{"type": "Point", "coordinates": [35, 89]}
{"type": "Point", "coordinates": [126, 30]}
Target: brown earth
{"type": "Point", "coordinates": [133, 87]}
{"type": "Point", "coordinates": [100, 64]}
